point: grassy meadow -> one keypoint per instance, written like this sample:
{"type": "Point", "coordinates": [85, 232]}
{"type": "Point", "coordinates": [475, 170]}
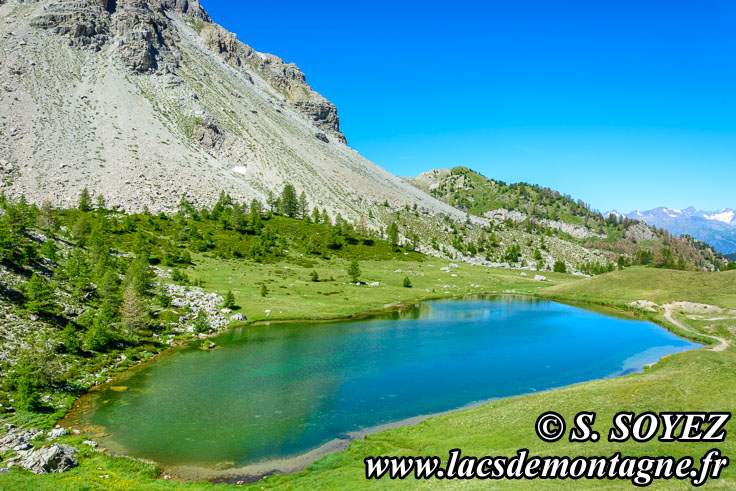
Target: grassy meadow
{"type": "Point", "coordinates": [293, 295]}
{"type": "Point", "coordinates": [696, 380]}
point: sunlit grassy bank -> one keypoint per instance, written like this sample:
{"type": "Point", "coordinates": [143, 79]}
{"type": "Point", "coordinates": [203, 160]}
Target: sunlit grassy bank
{"type": "Point", "coordinates": [700, 380]}
{"type": "Point", "coordinates": [697, 380]}
{"type": "Point", "coordinates": [293, 295]}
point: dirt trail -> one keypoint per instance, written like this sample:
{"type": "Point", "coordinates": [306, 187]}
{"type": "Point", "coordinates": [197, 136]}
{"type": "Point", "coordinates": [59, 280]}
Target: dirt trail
{"type": "Point", "coordinates": [669, 309]}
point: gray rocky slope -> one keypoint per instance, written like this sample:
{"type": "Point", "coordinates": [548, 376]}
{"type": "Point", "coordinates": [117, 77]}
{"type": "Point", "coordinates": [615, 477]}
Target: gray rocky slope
{"type": "Point", "coordinates": [149, 101]}
{"type": "Point", "coordinates": [146, 101]}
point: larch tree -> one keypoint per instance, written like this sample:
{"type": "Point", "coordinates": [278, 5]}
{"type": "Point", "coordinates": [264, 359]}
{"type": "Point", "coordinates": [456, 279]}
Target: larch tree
{"type": "Point", "coordinates": [132, 311]}
{"type": "Point", "coordinates": [85, 201]}
{"type": "Point", "coordinates": [289, 202]}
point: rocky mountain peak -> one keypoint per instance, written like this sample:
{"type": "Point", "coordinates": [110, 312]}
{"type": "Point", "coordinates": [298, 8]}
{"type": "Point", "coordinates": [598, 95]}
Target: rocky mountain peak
{"type": "Point", "coordinates": [139, 30]}
{"type": "Point", "coordinates": [149, 101]}
{"type": "Point", "coordinates": [142, 35]}
{"type": "Point", "coordinates": [286, 78]}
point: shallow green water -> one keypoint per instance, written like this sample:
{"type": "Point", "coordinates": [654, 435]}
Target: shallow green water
{"type": "Point", "coordinates": [279, 390]}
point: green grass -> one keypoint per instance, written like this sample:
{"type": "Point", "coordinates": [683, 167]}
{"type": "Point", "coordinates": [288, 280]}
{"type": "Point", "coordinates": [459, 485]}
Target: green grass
{"type": "Point", "coordinates": [658, 285]}
{"type": "Point", "coordinates": [696, 380]}
{"type": "Point", "coordinates": [123, 473]}
{"type": "Point", "coordinates": [293, 296]}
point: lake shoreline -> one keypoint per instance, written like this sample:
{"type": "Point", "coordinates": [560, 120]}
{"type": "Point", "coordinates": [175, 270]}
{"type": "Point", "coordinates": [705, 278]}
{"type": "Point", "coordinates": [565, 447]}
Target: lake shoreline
{"type": "Point", "coordinates": [297, 463]}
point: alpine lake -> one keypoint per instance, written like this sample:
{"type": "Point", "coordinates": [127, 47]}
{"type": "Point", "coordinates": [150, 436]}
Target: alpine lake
{"type": "Point", "coordinates": [274, 397]}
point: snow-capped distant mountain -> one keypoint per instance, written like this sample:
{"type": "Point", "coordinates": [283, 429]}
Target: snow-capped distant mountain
{"type": "Point", "coordinates": [725, 216]}
{"type": "Point", "coordinates": [717, 228]}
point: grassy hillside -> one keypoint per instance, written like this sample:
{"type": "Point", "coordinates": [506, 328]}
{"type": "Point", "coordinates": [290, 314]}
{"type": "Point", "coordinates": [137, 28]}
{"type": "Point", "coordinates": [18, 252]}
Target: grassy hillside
{"type": "Point", "coordinates": [544, 211]}
{"type": "Point", "coordinates": [658, 285]}
{"type": "Point", "coordinates": [477, 194]}
{"type": "Point", "coordinates": [293, 295]}
{"type": "Point", "coordinates": [228, 249]}
{"type": "Point", "coordinates": [87, 292]}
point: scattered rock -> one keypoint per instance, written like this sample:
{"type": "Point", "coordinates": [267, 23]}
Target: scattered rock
{"type": "Point", "coordinates": [56, 433]}
{"type": "Point", "coordinates": [53, 459]}
{"type": "Point", "coordinates": [18, 439]}
{"type": "Point", "coordinates": [647, 305]}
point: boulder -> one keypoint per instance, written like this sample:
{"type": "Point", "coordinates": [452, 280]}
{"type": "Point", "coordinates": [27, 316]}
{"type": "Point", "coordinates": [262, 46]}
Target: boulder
{"type": "Point", "coordinates": [539, 277]}
{"type": "Point", "coordinates": [17, 440]}
{"type": "Point", "coordinates": [53, 459]}
{"type": "Point", "coordinates": [57, 432]}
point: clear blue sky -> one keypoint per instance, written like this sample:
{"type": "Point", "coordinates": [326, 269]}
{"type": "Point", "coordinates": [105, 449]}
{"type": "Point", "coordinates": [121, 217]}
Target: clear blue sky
{"type": "Point", "coordinates": [624, 104]}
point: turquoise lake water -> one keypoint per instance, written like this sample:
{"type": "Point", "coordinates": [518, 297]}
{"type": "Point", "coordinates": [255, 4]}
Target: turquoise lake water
{"type": "Point", "coordinates": [273, 391]}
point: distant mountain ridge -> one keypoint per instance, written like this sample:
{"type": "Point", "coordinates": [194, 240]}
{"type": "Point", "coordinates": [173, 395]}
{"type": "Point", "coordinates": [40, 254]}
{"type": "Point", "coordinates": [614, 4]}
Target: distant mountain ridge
{"type": "Point", "coordinates": [540, 210]}
{"type": "Point", "coordinates": [717, 228]}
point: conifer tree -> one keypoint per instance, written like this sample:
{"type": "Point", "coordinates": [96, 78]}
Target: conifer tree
{"type": "Point", "coordinates": [254, 217]}
{"type": "Point", "coordinates": [109, 291]}
{"type": "Point", "coordinates": [140, 275]}
{"type": "Point", "coordinates": [229, 301]}
{"type": "Point", "coordinates": [132, 311]}
{"type": "Point", "coordinates": [238, 219]}
{"type": "Point", "coordinates": [289, 203]}
{"type": "Point", "coordinates": [393, 235]}
{"type": "Point", "coordinates": [48, 217]}
{"type": "Point", "coordinates": [39, 294]}
{"type": "Point", "coordinates": [354, 271]}
{"type": "Point", "coordinates": [201, 322]}
{"type": "Point", "coordinates": [6, 242]}
{"type": "Point", "coordinates": [85, 201]}
{"type": "Point", "coordinates": [303, 207]}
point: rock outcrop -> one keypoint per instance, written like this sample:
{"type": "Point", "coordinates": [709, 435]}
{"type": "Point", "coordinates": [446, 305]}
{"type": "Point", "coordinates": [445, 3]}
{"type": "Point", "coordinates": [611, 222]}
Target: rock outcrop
{"type": "Point", "coordinates": [18, 439]}
{"type": "Point", "coordinates": [53, 459]}
{"type": "Point", "coordinates": [286, 78]}
{"type": "Point", "coordinates": [149, 101]}
{"type": "Point", "coordinates": [138, 29]}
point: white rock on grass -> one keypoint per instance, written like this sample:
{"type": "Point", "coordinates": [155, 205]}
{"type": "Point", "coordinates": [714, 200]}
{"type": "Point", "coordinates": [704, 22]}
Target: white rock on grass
{"type": "Point", "coordinates": [56, 433]}
{"type": "Point", "coordinates": [53, 459]}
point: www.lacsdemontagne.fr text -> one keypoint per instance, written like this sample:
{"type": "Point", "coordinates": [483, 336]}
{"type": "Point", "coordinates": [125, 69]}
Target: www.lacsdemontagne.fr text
{"type": "Point", "coordinates": [550, 427]}
{"type": "Point", "coordinates": [640, 471]}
